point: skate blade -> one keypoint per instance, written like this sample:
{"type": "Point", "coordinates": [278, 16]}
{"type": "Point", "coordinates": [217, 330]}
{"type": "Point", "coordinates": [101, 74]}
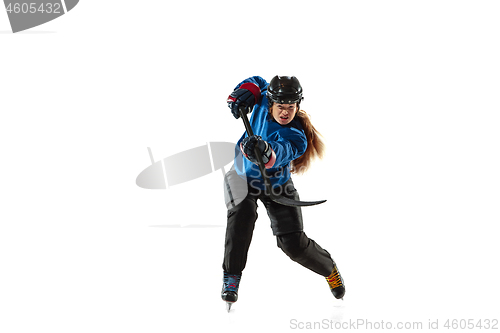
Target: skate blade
{"type": "Point", "coordinates": [228, 306]}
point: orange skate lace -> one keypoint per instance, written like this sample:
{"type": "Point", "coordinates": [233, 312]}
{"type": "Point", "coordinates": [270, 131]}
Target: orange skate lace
{"type": "Point", "coordinates": [334, 279]}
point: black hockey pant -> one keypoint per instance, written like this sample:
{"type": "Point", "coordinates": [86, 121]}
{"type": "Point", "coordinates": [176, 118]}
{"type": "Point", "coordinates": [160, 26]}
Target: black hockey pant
{"type": "Point", "coordinates": [286, 223]}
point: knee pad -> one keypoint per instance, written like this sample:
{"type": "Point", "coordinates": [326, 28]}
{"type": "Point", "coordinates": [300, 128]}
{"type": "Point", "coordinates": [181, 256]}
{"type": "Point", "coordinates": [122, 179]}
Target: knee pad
{"type": "Point", "coordinates": [293, 244]}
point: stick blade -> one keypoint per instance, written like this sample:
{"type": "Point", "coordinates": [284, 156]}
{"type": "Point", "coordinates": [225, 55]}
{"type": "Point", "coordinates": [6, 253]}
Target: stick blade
{"type": "Point", "coordinates": [294, 203]}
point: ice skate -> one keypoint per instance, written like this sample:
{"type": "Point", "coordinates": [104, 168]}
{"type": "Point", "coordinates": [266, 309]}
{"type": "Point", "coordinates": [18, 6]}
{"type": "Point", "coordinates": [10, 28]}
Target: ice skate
{"type": "Point", "coordinates": [230, 285]}
{"type": "Point", "coordinates": [336, 283]}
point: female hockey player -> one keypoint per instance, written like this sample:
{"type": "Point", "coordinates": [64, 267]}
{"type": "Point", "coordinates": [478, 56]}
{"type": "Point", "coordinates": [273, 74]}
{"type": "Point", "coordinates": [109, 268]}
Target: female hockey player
{"type": "Point", "coordinates": [288, 142]}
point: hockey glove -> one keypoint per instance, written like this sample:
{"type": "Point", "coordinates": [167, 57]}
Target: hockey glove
{"type": "Point", "coordinates": [247, 147]}
{"type": "Point", "coordinates": [247, 95]}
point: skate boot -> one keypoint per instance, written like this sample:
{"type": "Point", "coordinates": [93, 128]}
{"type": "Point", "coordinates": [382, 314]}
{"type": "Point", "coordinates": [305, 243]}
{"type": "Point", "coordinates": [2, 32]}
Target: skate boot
{"type": "Point", "coordinates": [230, 285]}
{"type": "Point", "coordinates": [336, 283]}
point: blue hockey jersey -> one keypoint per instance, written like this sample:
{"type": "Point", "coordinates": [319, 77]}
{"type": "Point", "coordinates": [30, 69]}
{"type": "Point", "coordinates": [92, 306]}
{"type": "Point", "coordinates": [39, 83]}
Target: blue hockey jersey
{"type": "Point", "coordinates": [289, 142]}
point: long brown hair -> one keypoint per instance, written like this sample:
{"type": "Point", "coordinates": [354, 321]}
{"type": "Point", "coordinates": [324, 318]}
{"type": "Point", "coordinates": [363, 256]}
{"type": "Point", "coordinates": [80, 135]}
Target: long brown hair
{"type": "Point", "coordinates": [315, 145]}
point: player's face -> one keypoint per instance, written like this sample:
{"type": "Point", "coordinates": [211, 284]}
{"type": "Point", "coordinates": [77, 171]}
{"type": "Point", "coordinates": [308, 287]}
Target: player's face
{"type": "Point", "coordinates": [283, 113]}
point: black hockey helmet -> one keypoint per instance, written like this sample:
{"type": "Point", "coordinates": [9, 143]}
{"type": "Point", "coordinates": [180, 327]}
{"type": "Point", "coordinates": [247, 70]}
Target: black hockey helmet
{"type": "Point", "coordinates": [284, 90]}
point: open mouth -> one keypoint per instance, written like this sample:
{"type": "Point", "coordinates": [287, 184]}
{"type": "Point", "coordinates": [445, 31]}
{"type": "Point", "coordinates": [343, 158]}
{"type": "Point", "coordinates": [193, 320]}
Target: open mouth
{"type": "Point", "coordinates": [284, 117]}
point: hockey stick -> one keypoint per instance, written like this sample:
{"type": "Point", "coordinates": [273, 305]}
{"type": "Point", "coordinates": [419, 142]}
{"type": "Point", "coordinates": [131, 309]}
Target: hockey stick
{"type": "Point", "coordinates": [279, 199]}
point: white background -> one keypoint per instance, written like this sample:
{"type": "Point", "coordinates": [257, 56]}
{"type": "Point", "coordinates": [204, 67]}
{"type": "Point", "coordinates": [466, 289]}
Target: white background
{"type": "Point", "coordinates": [405, 94]}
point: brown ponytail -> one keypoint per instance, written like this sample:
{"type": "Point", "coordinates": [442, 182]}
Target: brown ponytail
{"type": "Point", "coordinates": [315, 146]}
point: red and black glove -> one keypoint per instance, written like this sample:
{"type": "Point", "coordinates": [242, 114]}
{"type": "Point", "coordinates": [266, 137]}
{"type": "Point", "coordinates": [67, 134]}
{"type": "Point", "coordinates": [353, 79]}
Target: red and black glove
{"type": "Point", "coordinates": [247, 95]}
{"type": "Point", "coordinates": [247, 147]}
